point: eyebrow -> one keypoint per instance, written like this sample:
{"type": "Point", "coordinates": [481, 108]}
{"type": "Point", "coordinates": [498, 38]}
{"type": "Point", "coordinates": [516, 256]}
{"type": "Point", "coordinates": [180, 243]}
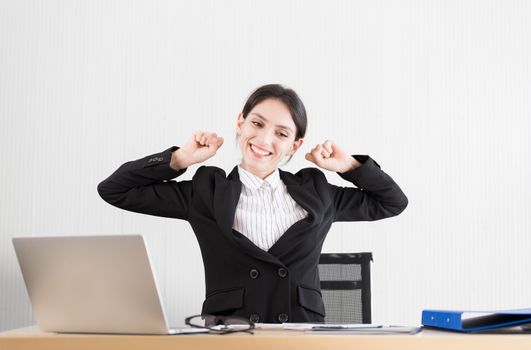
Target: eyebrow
{"type": "Point", "coordinates": [280, 126]}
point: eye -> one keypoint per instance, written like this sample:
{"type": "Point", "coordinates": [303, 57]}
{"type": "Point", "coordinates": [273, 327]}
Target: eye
{"type": "Point", "coordinates": [281, 134]}
{"type": "Point", "coordinates": [256, 124]}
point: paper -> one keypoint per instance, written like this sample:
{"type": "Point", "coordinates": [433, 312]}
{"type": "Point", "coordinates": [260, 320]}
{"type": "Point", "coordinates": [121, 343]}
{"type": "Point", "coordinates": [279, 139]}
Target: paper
{"type": "Point", "coordinates": [328, 326]}
{"type": "Point", "coordinates": [309, 326]}
{"type": "Point", "coordinates": [268, 326]}
{"type": "Point", "coordinates": [340, 328]}
{"type": "Point", "coordinates": [367, 330]}
{"type": "Point", "coordinates": [188, 330]}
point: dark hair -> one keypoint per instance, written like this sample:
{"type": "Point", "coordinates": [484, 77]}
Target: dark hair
{"type": "Point", "coordinates": [286, 95]}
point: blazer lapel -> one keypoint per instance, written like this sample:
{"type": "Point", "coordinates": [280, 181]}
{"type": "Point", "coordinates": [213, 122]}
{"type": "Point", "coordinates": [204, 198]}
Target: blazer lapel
{"type": "Point", "coordinates": [226, 197]}
{"type": "Point", "coordinates": [304, 193]}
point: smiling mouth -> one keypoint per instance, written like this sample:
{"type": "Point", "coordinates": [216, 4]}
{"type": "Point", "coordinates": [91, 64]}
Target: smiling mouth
{"type": "Point", "coordinates": [259, 151]}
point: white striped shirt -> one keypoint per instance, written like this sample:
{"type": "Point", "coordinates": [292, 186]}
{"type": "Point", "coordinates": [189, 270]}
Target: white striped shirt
{"type": "Point", "coordinates": [265, 209]}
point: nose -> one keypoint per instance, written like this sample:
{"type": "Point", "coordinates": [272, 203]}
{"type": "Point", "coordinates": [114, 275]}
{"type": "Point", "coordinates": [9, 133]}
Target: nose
{"type": "Point", "coordinates": [266, 137]}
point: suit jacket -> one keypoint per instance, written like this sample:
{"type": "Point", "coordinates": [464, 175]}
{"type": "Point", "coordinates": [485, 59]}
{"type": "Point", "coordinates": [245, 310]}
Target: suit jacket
{"type": "Point", "coordinates": [278, 285]}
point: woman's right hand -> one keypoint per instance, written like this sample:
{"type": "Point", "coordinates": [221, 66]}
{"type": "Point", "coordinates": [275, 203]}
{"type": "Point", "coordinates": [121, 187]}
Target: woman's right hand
{"type": "Point", "coordinates": [200, 147]}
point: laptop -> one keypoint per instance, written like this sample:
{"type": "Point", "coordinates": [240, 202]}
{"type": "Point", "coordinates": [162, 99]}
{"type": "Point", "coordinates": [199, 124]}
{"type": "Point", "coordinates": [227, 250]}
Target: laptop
{"type": "Point", "coordinates": [93, 284]}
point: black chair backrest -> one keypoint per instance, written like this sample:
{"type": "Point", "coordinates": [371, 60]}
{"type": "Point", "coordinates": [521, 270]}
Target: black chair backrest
{"type": "Point", "coordinates": [346, 287]}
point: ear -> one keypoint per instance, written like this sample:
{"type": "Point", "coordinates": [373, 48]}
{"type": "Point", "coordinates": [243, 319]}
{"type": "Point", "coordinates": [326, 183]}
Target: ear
{"type": "Point", "coordinates": [296, 145]}
{"type": "Point", "coordinates": [239, 123]}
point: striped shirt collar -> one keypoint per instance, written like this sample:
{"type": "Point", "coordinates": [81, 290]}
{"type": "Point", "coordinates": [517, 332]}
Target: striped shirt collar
{"type": "Point", "coordinates": [253, 182]}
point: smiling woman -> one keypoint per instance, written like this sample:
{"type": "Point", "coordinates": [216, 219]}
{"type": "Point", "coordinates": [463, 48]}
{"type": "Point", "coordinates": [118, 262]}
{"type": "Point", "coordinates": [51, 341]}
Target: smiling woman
{"type": "Point", "coordinates": [270, 127]}
{"type": "Point", "coordinates": [260, 229]}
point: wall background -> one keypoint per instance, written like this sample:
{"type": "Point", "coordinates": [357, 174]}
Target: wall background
{"type": "Point", "coordinates": [436, 91]}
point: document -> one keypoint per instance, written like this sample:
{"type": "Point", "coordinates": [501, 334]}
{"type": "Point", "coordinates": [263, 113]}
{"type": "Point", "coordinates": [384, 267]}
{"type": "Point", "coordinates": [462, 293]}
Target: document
{"type": "Point", "coordinates": [369, 330]}
{"type": "Point", "coordinates": [340, 328]}
{"type": "Point", "coordinates": [188, 330]}
{"type": "Point", "coordinates": [328, 326]}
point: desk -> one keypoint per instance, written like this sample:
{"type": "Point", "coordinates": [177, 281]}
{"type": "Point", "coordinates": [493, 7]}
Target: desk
{"type": "Point", "coordinates": [32, 338]}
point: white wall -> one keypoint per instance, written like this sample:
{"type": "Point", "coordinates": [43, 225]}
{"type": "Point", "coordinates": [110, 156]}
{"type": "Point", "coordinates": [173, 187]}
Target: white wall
{"type": "Point", "coordinates": [436, 91]}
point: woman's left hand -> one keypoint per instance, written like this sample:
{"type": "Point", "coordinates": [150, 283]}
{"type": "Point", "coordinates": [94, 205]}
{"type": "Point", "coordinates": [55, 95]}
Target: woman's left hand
{"type": "Point", "coordinates": [331, 157]}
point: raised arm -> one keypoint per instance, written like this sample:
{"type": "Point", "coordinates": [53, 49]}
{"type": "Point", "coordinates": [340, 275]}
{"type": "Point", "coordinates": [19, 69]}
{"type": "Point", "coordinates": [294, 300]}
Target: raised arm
{"type": "Point", "coordinates": [145, 186]}
{"type": "Point", "coordinates": [376, 197]}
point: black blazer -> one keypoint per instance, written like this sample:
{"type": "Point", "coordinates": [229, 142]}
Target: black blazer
{"type": "Point", "coordinates": [278, 285]}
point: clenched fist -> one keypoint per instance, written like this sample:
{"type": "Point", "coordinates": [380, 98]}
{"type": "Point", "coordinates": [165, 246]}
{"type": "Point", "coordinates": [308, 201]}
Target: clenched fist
{"type": "Point", "coordinates": [331, 157]}
{"type": "Point", "coordinates": [200, 147]}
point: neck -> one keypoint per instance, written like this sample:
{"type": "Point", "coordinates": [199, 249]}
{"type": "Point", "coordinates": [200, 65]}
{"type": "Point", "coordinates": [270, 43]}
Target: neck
{"type": "Point", "coordinates": [260, 173]}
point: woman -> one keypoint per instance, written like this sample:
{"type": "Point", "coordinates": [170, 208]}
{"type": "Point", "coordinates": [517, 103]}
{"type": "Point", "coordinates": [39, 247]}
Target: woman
{"type": "Point", "coordinates": [260, 229]}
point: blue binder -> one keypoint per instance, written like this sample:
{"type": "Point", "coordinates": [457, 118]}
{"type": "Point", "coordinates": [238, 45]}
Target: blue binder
{"type": "Point", "coordinates": [474, 321]}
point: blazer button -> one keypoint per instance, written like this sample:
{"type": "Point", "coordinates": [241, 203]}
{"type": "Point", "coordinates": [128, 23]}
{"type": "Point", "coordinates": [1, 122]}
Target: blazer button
{"type": "Point", "coordinates": [254, 273]}
{"type": "Point", "coordinates": [283, 318]}
{"type": "Point", "coordinates": [254, 318]}
{"type": "Point", "coordinates": [282, 272]}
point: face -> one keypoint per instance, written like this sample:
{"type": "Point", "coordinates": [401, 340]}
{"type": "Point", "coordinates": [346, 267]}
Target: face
{"type": "Point", "coordinates": [267, 136]}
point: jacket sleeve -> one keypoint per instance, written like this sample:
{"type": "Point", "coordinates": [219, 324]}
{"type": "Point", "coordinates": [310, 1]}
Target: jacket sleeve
{"type": "Point", "coordinates": [376, 197]}
{"type": "Point", "coordinates": [143, 186]}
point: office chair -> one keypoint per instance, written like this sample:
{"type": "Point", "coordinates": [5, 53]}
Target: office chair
{"type": "Point", "coordinates": [346, 287]}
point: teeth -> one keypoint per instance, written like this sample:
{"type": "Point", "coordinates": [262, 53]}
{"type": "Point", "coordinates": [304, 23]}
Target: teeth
{"type": "Point", "coordinates": [260, 151]}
